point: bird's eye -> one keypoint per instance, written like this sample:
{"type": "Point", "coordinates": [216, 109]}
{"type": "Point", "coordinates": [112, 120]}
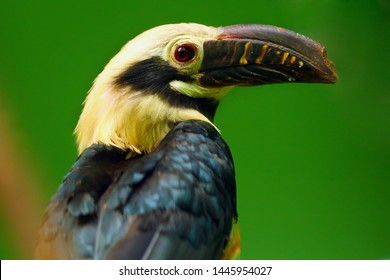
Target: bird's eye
{"type": "Point", "coordinates": [185, 53]}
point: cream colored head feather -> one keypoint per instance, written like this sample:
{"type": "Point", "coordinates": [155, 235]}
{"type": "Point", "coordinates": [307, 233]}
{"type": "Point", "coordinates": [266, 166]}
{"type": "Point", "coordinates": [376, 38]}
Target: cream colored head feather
{"type": "Point", "coordinates": [127, 118]}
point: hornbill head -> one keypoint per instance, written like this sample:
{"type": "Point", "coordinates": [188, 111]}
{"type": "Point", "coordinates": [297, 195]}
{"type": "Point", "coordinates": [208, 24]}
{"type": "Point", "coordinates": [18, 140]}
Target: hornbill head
{"type": "Point", "coordinates": [180, 72]}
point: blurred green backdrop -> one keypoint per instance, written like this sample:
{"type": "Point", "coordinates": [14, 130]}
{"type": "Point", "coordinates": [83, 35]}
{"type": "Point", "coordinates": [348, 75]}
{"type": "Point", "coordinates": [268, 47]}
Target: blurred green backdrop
{"type": "Point", "coordinates": [312, 161]}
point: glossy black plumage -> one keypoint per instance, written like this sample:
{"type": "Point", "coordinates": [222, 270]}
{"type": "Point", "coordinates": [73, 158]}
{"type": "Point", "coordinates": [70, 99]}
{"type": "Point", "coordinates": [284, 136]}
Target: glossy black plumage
{"type": "Point", "coordinates": [178, 202]}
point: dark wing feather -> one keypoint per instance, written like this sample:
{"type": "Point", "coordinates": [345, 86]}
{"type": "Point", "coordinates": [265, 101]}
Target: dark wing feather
{"type": "Point", "coordinates": [68, 229]}
{"type": "Point", "coordinates": [177, 202]}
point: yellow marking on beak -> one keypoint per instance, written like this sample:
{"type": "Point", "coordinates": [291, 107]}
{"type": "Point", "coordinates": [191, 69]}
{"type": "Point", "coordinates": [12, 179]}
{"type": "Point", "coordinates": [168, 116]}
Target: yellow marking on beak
{"type": "Point", "coordinates": [300, 64]}
{"type": "Point", "coordinates": [243, 57]}
{"type": "Point", "coordinates": [284, 57]}
{"type": "Point", "coordinates": [278, 52]}
{"type": "Point", "coordinates": [292, 60]}
{"type": "Point", "coordinates": [263, 52]}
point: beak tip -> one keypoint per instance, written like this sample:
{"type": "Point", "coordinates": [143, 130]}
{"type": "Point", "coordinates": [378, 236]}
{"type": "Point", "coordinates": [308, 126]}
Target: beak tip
{"type": "Point", "coordinates": [331, 73]}
{"type": "Point", "coordinates": [331, 79]}
{"type": "Point", "coordinates": [331, 76]}
{"type": "Point", "coordinates": [321, 69]}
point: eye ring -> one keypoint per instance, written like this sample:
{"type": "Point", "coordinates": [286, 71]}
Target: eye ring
{"type": "Point", "coordinates": [185, 53]}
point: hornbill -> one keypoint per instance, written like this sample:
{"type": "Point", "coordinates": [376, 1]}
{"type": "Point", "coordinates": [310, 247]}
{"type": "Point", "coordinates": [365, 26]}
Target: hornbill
{"type": "Point", "coordinates": [154, 179]}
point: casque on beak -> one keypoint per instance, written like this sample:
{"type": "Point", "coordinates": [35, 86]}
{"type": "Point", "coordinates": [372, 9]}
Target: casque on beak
{"type": "Point", "coordinates": [247, 55]}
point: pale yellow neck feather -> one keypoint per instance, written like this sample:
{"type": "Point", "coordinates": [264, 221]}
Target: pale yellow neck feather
{"type": "Point", "coordinates": [132, 121]}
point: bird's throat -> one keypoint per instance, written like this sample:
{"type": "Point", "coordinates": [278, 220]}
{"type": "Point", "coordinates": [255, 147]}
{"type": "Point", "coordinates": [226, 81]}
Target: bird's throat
{"type": "Point", "coordinates": [134, 122]}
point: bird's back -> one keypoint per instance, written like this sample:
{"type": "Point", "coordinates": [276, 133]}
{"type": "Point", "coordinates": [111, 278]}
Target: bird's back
{"type": "Point", "coordinates": [177, 202]}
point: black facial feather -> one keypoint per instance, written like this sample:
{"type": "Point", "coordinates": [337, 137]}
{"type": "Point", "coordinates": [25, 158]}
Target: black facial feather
{"type": "Point", "coordinates": [153, 75]}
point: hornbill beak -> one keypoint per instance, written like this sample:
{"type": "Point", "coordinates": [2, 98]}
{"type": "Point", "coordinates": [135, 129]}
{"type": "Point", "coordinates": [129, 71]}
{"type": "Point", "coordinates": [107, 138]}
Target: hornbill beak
{"type": "Point", "coordinates": [260, 54]}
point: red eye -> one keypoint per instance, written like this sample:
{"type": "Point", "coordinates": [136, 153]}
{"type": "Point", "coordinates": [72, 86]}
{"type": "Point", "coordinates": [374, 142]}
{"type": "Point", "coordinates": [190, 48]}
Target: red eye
{"type": "Point", "coordinates": [185, 53]}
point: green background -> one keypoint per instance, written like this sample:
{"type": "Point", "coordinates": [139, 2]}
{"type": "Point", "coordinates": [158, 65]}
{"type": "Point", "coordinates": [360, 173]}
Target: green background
{"type": "Point", "coordinates": [312, 161]}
